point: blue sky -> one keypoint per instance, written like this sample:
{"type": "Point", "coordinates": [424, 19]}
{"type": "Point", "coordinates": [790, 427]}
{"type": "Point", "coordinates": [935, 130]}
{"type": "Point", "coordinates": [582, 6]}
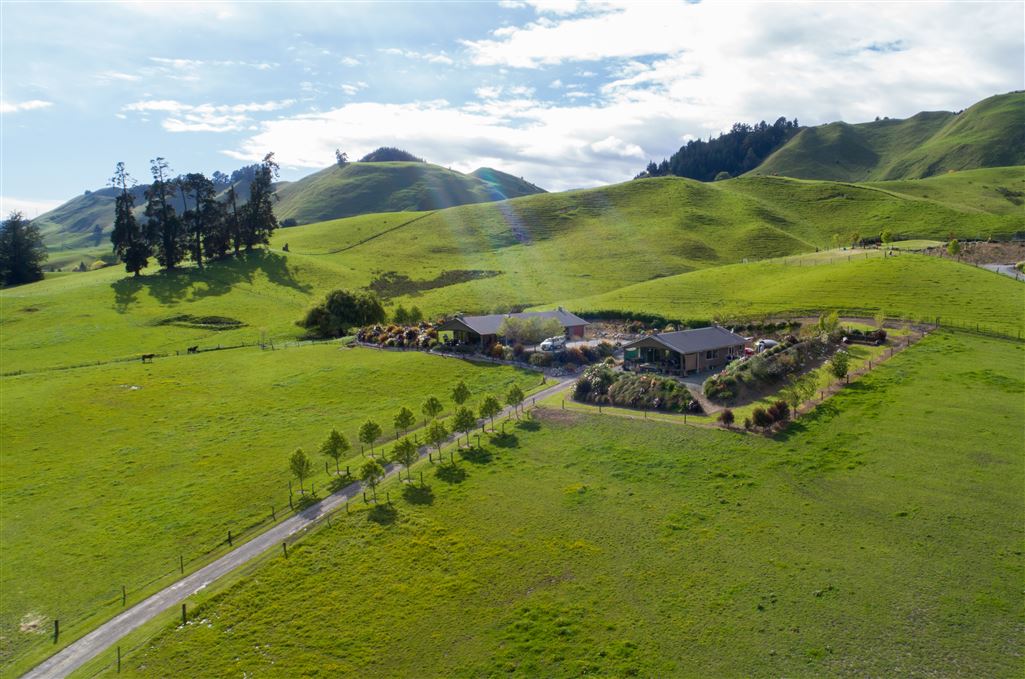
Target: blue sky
{"type": "Point", "coordinates": [564, 94]}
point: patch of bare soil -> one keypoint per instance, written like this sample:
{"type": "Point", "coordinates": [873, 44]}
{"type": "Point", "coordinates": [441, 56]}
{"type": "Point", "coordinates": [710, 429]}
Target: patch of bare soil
{"type": "Point", "coordinates": [981, 252]}
{"type": "Point", "coordinates": [32, 623]}
{"type": "Point", "coordinates": [555, 415]}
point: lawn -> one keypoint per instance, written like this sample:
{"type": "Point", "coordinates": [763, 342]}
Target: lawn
{"type": "Point", "coordinates": [903, 286]}
{"type": "Point", "coordinates": [111, 472]}
{"type": "Point", "coordinates": [880, 536]}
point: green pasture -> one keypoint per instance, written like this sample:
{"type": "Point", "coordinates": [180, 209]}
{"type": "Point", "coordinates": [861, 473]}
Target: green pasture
{"type": "Point", "coordinates": [903, 286]}
{"type": "Point", "coordinates": [880, 536]}
{"type": "Point", "coordinates": [111, 472]}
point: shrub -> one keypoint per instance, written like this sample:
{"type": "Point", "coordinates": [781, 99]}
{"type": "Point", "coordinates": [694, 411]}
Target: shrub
{"type": "Point", "coordinates": [518, 349]}
{"type": "Point", "coordinates": [540, 359]}
{"type": "Point", "coordinates": [496, 350]}
{"type": "Point", "coordinates": [726, 417]}
{"type": "Point", "coordinates": [97, 265]}
{"type": "Point", "coordinates": [342, 310]}
{"type": "Point", "coordinates": [761, 418]}
{"type": "Point", "coordinates": [747, 423]}
{"type": "Point", "coordinates": [779, 411]}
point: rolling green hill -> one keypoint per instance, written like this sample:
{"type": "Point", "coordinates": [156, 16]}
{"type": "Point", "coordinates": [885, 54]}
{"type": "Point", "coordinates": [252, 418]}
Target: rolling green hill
{"type": "Point", "coordinates": [358, 188]}
{"type": "Point", "coordinates": [989, 134]}
{"type": "Point", "coordinates": [528, 251]}
{"type": "Point", "coordinates": [911, 286]}
{"type": "Point", "coordinates": [362, 188]}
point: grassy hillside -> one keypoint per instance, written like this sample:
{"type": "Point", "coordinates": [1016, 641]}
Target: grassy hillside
{"type": "Point", "coordinates": [989, 134]}
{"type": "Point", "coordinates": [860, 543]}
{"type": "Point", "coordinates": [362, 188]}
{"type": "Point", "coordinates": [906, 285]}
{"type": "Point", "coordinates": [528, 251]}
{"type": "Point", "coordinates": [166, 457]}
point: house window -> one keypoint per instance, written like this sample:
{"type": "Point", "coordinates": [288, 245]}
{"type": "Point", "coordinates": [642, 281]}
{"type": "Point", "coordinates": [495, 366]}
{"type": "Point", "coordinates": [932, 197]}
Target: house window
{"type": "Point", "coordinates": [713, 353]}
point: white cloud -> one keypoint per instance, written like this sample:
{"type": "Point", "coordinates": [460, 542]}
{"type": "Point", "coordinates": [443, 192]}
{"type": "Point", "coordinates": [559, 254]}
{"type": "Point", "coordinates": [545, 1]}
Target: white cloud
{"type": "Point", "coordinates": [117, 75]}
{"type": "Point", "coordinates": [30, 105]}
{"type": "Point", "coordinates": [184, 117]}
{"type": "Point", "coordinates": [429, 57]}
{"type": "Point", "coordinates": [28, 207]}
{"type": "Point", "coordinates": [353, 88]}
{"type": "Point", "coordinates": [350, 61]}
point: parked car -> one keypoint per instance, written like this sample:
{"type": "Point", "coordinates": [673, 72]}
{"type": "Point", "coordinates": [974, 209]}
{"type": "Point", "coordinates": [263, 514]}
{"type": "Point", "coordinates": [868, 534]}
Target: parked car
{"type": "Point", "coordinates": [763, 344]}
{"type": "Point", "coordinates": [553, 344]}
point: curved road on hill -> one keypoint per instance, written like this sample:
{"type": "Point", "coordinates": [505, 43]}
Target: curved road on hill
{"type": "Point", "coordinates": [79, 652]}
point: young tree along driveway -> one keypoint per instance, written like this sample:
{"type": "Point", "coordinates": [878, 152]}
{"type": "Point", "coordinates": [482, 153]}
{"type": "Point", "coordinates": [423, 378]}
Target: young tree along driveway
{"type": "Point", "coordinates": [92, 644]}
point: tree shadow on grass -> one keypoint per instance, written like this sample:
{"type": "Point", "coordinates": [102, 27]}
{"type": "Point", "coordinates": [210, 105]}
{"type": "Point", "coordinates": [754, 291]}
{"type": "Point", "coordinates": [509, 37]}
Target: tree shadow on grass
{"type": "Point", "coordinates": [383, 514]}
{"type": "Point", "coordinates": [216, 279]}
{"type": "Point", "coordinates": [528, 425]}
{"type": "Point", "coordinates": [506, 440]}
{"type": "Point", "coordinates": [306, 501]}
{"type": "Point", "coordinates": [475, 455]}
{"type": "Point", "coordinates": [451, 473]}
{"type": "Point", "coordinates": [418, 495]}
{"type": "Point", "coordinates": [126, 292]}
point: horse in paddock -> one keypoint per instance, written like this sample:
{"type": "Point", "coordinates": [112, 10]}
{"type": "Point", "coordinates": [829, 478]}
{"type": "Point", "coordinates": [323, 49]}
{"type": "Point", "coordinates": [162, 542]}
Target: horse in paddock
{"type": "Point", "coordinates": [194, 350]}
{"type": "Point", "coordinates": [148, 357]}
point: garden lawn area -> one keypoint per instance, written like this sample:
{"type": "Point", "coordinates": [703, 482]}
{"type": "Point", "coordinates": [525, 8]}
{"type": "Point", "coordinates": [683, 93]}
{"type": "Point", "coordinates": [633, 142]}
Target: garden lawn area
{"type": "Point", "coordinates": [904, 286]}
{"type": "Point", "coordinates": [111, 472]}
{"type": "Point", "coordinates": [880, 536]}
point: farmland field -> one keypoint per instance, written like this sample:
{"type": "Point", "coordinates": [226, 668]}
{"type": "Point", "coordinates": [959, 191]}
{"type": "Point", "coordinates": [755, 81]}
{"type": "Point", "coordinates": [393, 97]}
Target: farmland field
{"type": "Point", "coordinates": [881, 535]}
{"type": "Point", "coordinates": [909, 286]}
{"type": "Point", "coordinates": [110, 472]}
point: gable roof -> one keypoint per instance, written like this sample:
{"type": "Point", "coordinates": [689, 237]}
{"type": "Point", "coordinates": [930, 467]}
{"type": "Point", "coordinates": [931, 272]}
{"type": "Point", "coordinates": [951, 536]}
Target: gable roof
{"type": "Point", "coordinates": [489, 325]}
{"type": "Point", "coordinates": [691, 341]}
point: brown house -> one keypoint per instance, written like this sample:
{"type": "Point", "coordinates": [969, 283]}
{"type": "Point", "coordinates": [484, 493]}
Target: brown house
{"type": "Point", "coordinates": [484, 329]}
{"type": "Point", "coordinates": [685, 351]}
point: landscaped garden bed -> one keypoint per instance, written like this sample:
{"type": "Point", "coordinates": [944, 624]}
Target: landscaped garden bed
{"type": "Point", "coordinates": [602, 385]}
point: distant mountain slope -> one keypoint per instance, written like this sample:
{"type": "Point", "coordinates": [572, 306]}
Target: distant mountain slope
{"type": "Point", "coordinates": [989, 134]}
{"type": "Point", "coordinates": [357, 188]}
{"type": "Point", "coordinates": [363, 188]}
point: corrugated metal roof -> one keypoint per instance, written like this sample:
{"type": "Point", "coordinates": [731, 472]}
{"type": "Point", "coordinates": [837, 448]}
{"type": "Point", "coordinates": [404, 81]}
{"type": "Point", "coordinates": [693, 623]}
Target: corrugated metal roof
{"type": "Point", "coordinates": [489, 325]}
{"type": "Point", "coordinates": [697, 340]}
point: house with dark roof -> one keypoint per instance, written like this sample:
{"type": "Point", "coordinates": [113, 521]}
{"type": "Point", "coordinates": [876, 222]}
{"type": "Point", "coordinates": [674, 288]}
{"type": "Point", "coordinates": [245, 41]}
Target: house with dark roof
{"type": "Point", "coordinates": [685, 351]}
{"type": "Point", "coordinates": [485, 329]}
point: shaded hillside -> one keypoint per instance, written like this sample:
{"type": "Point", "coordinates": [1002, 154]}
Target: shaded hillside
{"type": "Point", "coordinates": [363, 188]}
{"type": "Point", "coordinates": [989, 134]}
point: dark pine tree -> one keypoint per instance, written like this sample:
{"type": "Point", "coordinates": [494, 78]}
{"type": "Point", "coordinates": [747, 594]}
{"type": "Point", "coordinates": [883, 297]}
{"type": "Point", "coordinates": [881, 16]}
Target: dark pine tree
{"type": "Point", "coordinates": [127, 237]}
{"type": "Point", "coordinates": [164, 229]}
{"type": "Point", "coordinates": [740, 150]}
{"type": "Point", "coordinates": [259, 221]}
{"type": "Point", "coordinates": [22, 252]}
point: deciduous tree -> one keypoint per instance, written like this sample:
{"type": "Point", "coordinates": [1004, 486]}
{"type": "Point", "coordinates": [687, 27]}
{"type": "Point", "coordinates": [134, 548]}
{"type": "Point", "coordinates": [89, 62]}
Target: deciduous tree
{"type": "Point", "coordinates": [335, 447]}
{"type": "Point", "coordinates": [460, 393]}
{"type": "Point", "coordinates": [514, 398]}
{"type": "Point", "coordinates": [301, 466]}
{"type": "Point", "coordinates": [431, 407]}
{"type": "Point", "coordinates": [839, 364]}
{"type": "Point", "coordinates": [436, 434]}
{"type": "Point", "coordinates": [489, 408]}
{"type": "Point", "coordinates": [406, 453]}
{"type": "Point", "coordinates": [371, 474]}
{"type": "Point", "coordinates": [464, 421]}
{"type": "Point", "coordinates": [369, 432]}
{"type": "Point", "coordinates": [404, 420]}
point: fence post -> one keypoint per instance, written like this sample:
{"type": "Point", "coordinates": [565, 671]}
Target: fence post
{"type": "Point", "coordinates": [124, 596]}
{"type": "Point", "coordinates": [184, 619]}
{"type": "Point", "coordinates": [284, 548]}
{"type": "Point", "coordinates": [56, 630]}
{"type": "Point", "coordinates": [119, 660]}
{"type": "Point", "coordinates": [273, 514]}
{"type": "Point", "coordinates": [229, 538]}
{"type": "Point", "coordinates": [181, 564]}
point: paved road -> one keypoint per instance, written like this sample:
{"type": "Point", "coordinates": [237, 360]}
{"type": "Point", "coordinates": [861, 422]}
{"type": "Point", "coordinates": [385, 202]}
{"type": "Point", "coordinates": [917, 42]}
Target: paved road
{"type": "Point", "coordinates": [81, 651]}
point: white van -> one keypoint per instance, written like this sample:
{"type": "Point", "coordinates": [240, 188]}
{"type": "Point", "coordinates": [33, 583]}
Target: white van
{"type": "Point", "coordinates": [763, 344]}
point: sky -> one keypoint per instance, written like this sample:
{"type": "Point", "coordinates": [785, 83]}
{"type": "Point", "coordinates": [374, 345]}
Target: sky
{"type": "Point", "coordinates": [563, 93]}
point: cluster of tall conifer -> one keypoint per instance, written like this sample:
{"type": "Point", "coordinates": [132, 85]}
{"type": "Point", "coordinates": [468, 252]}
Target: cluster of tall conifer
{"type": "Point", "coordinates": [212, 225]}
{"type": "Point", "coordinates": [741, 149]}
